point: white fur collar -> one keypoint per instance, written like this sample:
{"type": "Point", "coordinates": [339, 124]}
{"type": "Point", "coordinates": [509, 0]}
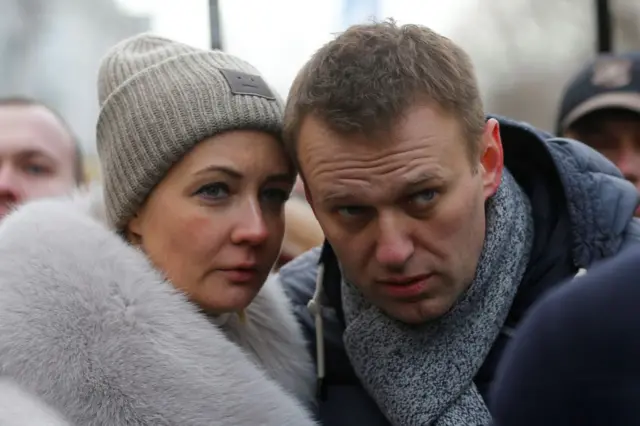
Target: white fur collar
{"type": "Point", "coordinates": [19, 408]}
{"type": "Point", "coordinates": [89, 326]}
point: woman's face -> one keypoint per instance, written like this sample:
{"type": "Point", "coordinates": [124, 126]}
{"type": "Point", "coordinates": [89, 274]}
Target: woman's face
{"type": "Point", "coordinates": [214, 224]}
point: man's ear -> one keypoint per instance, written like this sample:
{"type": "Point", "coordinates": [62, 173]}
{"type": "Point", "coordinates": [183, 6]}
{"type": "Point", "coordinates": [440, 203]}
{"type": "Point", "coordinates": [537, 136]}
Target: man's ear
{"type": "Point", "coordinates": [491, 158]}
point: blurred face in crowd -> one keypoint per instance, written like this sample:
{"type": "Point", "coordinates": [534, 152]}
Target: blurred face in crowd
{"type": "Point", "coordinates": [404, 210]}
{"type": "Point", "coordinates": [615, 134]}
{"type": "Point", "coordinates": [298, 188]}
{"type": "Point", "coordinates": [214, 224]}
{"type": "Point", "coordinates": [37, 155]}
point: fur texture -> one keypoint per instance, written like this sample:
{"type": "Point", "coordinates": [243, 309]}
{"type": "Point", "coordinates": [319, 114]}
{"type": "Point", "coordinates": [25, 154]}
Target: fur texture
{"type": "Point", "coordinates": [90, 327]}
{"type": "Point", "coordinates": [19, 408]}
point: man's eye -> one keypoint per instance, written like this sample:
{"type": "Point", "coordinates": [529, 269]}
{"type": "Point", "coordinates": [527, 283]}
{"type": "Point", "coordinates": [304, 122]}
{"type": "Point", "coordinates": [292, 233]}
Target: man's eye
{"type": "Point", "coordinates": [36, 169]}
{"type": "Point", "coordinates": [351, 211]}
{"type": "Point", "coordinates": [213, 191]}
{"type": "Point", "coordinates": [423, 198]}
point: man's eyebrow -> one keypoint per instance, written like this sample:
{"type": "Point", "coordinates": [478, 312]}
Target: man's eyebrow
{"type": "Point", "coordinates": [410, 181]}
{"type": "Point", "coordinates": [335, 197]}
{"type": "Point", "coordinates": [421, 178]}
{"type": "Point", "coordinates": [31, 153]}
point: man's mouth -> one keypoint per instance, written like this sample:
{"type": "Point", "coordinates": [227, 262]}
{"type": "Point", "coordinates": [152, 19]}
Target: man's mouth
{"type": "Point", "coordinates": [405, 286]}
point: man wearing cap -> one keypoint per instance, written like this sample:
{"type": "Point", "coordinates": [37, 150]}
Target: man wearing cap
{"type": "Point", "coordinates": [601, 107]}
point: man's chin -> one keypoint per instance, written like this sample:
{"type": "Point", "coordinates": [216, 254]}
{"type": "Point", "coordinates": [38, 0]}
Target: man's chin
{"type": "Point", "coordinates": [417, 313]}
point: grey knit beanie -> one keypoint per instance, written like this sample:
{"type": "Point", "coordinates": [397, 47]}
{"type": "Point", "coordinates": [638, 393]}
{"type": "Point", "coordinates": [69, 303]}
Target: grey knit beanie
{"type": "Point", "coordinates": [158, 99]}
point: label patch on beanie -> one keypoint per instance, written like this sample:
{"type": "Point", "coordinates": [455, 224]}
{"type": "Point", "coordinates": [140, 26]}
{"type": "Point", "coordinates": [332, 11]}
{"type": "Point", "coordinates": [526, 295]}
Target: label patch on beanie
{"type": "Point", "coordinates": [242, 83]}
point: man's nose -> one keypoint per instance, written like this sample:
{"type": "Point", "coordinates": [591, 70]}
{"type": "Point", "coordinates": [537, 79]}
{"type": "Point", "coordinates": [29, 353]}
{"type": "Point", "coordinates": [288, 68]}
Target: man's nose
{"type": "Point", "coordinates": [394, 246]}
{"type": "Point", "coordinates": [629, 163]}
{"type": "Point", "coordinates": [11, 190]}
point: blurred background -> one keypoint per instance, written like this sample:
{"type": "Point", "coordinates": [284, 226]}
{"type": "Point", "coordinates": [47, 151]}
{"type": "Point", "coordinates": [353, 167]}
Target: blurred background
{"type": "Point", "coordinates": [524, 50]}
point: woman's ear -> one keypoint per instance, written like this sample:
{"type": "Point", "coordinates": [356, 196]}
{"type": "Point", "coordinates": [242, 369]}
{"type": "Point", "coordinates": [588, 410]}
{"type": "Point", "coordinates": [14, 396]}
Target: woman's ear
{"type": "Point", "coordinates": [133, 231]}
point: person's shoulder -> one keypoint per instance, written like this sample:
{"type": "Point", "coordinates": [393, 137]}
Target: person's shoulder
{"type": "Point", "coordinates": [609, 284]}
{"type": "Point", "coordinates": [74, 294]}
{"type": "Point", "coordinates": [21, 408]}
{"type": "Point", "coordinates": [577, 333]}
{"type": "Point", "coordinates": [298, 277]}
{"type": "Point", "coordinates": [580, 157]}
{"type": "Point", "coordinates": [599, 200]}
{"type": "Point", "coordinates": [632, 234]}
{"type": "Point", "coordinates": [298, 280]}
{"type": "Point", "coordinates": [587, 308]}
{"type": "Point", "coordinates": [569, 156]}
{"type": "Point", "coordinates": [63, 242]}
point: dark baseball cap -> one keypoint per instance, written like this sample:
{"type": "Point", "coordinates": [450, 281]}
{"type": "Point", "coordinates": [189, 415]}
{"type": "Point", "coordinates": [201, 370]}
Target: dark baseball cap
{"type": "Point", "coordinates": [608, 82]}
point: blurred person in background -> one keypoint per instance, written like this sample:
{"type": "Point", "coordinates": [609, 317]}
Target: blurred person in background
{"type": "Point", "coordinates": [147, 300]}
{"type": "Point", "coordinates": [298, 188]}
{"type": "Point", "coordinates": [601, 107]}
{"type": "Point", "coordinates": [39, 155]}
{"type": "Point", "coordinates": [302, 230]}
{"type": "Point", "coordinates": [443, 226]}
{"type": "Point", "coordinates": [574, 361]}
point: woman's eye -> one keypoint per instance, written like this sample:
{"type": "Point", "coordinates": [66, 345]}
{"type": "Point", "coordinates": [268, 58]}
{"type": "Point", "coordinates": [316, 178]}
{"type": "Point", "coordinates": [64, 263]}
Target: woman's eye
{"type": "Point", "coordinates": [275, 195]}
{"type": "Point", "coordinates": [214, 191]}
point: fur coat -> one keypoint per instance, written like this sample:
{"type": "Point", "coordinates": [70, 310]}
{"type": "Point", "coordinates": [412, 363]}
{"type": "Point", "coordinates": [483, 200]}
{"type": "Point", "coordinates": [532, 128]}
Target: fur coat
{"type": "Point", "coordinates": [90, 329]}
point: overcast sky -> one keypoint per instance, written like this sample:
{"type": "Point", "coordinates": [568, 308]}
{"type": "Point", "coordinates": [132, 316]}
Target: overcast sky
{"type": "Point", "coordinates": [278, 36]}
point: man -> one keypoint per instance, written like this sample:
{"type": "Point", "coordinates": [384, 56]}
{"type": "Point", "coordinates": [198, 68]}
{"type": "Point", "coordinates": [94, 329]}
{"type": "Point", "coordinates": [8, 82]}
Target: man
{"type": "Point", "coordinates": [442, 226]}
{"type": "Point", "coordinates": [601, 107]}
{"type": "Point", "coordinates": [39, 157]}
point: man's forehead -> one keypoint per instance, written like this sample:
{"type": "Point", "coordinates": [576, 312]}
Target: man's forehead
{"type": "Point", "coordinates": [617, 114]}
{"type": "Point", "coordinates": [418, 123]}
{"type": "Point", "coordinates": [32, 128]}
{"type": "Point", "coordinates": [360, 184]}
{"type": "Point", "coordinates": [604, 120]}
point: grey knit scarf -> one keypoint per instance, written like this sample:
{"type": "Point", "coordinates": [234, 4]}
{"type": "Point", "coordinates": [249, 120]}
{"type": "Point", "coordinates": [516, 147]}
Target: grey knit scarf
{"type": "Point", "coordinates": [422, 376]}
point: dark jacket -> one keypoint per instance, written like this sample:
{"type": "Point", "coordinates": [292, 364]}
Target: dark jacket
{"type": "Point", "coordinates": [582, 211]}
{"type": "Point", "coordinates": [575, 358]}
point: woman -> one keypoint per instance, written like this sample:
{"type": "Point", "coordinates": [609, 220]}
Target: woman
{"type": "Point", "coordinates": [145, 304]}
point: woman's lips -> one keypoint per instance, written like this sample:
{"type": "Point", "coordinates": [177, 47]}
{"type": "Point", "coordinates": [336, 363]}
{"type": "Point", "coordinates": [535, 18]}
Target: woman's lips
{"type": "Point", "coordinates": [239, 275]}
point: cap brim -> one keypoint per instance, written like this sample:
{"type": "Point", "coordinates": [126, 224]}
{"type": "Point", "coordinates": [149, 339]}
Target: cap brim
{"type": "Point", "coordinates": [621, 100]}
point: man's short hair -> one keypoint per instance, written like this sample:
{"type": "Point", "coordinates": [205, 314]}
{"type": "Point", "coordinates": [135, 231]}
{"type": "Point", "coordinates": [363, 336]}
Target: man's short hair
{"type": "Point", "coordinates": [79, 170]}
{"type": "Point", "coordinates": [366, 78]}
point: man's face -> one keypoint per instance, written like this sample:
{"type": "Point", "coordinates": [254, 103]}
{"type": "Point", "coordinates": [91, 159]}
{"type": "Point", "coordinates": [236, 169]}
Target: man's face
{"type": "Point", "coordinates": [404, 211]}
{"type": "Point", "coordinates": [37, 155]}
{"type": "Point", "coordinates": [616, 135]}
